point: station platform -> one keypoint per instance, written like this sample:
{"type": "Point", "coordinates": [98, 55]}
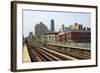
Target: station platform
{"type": "Point", "coordinates": [25, 56]}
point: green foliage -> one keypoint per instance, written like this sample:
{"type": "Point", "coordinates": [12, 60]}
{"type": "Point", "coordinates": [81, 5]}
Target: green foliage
{"type": "Point", "coordinates": [37, 39]}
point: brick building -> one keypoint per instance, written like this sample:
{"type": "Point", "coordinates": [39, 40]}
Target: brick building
{"type": "Point", "coordinates": [75, 36]}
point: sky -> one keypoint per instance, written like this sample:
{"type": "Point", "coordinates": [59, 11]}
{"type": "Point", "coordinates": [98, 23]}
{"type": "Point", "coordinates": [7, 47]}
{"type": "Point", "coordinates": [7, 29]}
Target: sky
{"type": "Point", "coordinates": [32, 17]}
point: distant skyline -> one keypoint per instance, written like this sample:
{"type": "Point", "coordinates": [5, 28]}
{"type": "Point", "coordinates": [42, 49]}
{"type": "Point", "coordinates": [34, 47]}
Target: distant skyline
{"type": "Point", "coordinates": [31, 18]}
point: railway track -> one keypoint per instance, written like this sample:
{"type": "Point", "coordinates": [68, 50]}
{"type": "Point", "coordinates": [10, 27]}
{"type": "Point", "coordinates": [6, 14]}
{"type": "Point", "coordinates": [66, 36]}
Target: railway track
{"type": "Point", "coordinates": [40, 54]}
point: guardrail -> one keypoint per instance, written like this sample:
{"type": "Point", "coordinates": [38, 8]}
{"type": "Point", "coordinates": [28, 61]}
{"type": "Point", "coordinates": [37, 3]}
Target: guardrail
{"type": "Point", "coordinates": [85, 52]}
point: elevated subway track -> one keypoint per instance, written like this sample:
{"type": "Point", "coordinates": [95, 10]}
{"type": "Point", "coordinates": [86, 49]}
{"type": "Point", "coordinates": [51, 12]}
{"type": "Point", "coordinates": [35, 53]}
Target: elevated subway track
{"type": "Point", "coordinates": [40, 54]}
{"type": "Point", "coordinates": [77, 52]}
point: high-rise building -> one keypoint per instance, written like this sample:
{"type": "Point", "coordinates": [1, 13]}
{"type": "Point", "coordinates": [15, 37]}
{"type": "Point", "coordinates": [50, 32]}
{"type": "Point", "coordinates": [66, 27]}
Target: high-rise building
{"type": "Point", "coordinates": [76, 26]}
{"type": "Point", "coordinates": [40, 29]}
{"type": "Point", "coordinates": [63, 27]}
{"type": "Point", "coordinates": [52, 26]}
{"type": "Point", "coordinates": [30, 36]}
